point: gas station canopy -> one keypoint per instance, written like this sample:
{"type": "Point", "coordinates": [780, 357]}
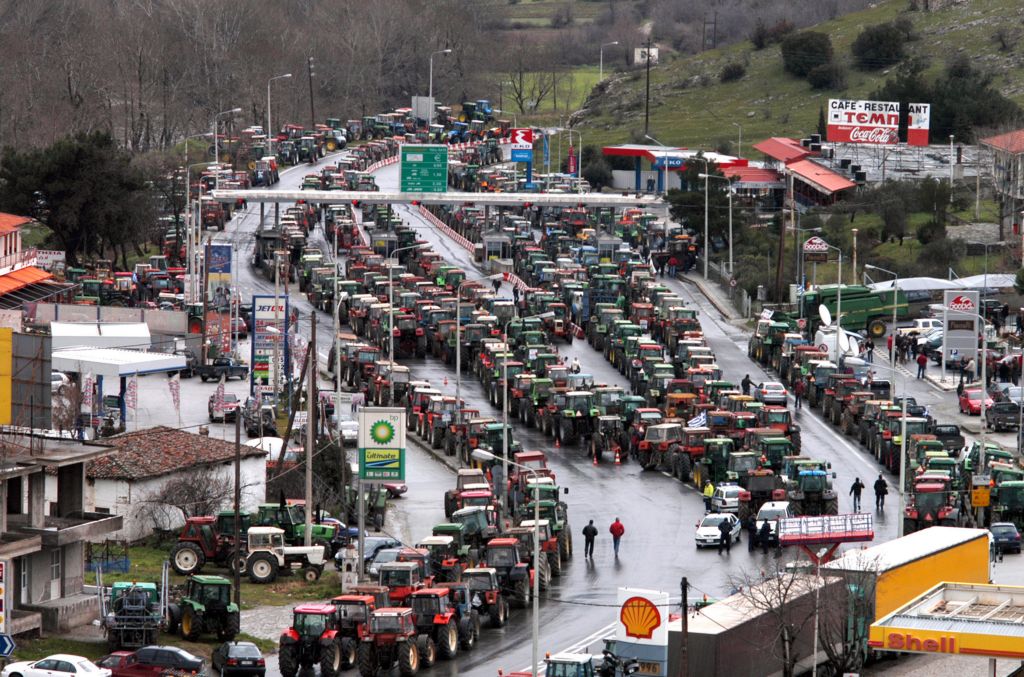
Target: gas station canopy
{"type": "Point", "coordinates": [114, 363]}
{"type": "Point", "coordinates": [956, 618]}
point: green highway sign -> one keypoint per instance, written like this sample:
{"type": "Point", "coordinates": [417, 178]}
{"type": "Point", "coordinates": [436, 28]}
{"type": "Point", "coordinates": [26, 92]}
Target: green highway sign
{"type": "Point", "coordinates": [424, 169]}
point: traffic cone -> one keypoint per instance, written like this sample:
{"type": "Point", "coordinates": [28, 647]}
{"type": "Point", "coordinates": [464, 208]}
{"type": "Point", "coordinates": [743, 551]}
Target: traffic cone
{"type": "Point", "coordinates": [446, 380]}
{"type": "Point", "coordinates": [595, 458]}
{"type": "Point", "coordinates": [618, 460]}
{"type": "Point", "coordinates": [557, 445]}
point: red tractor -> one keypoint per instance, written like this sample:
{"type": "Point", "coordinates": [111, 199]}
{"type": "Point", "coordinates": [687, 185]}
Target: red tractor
{"type": "Point", "coordinates": [207, 539]}
{"type": "Point", "coordinates": [353, 615]}
{"type": "Point", "coordinates": [312, 639]}
{"type": "Point", "coordinates": [486, 595]}
{"type": "Point", "coordinates": [401, 579]}
{"type": "Point", "coordinates": [438, 624]}
{"type": "Point", "coordinates": [502, 555]}
{"type": "Point", "coordinates": [389, 641]}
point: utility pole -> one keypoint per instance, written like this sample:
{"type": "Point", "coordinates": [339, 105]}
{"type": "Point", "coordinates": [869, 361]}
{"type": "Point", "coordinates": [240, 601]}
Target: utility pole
{"type": "Point", "coordinates": [310, 427]}
{"type": "Point", "coordinates": [238, 502]}
{"type": "Point", "coordinates": [684, 659]}
{"type": "Point", "coordinates": [312, 112]}
{"type": "Point", "coordinates": [647, 97]}
{"type": "Point", "coordinates": [206, 282]}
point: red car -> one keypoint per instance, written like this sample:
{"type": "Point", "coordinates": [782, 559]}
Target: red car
{"type": "Point", "coordinates": [970, 401]}
{"type": "Point", "coordinates": [152, 661]}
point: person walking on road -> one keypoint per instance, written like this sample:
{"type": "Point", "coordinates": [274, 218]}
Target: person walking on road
{"type": "Point", "coordinates": [881, 489]}
{"type": "Point", "coordinates": [751, 527]}
{"type": "Point", "coordinates": [709, 491]}
{"type": "Point", "coordinates": [724, 536]}
{"type": "Point", "coordinates": [616, 530]}
{"type": "Point", "coordinates": [922, 362]}
{"type": "Point", "coordinates": [745, 384]}
{"type": "Point", "coordinates": [798, 394]}
{"type": "Point", "coordinates": [764, 535]}
{"type": "Point", "coordinates": [496, 283]}
{"type": "Point", "coordinates": [870, 349]}
{"type": "Point", "coordinates": [855, 490]}
{"type": "Point", "coordinates": [589, 534]}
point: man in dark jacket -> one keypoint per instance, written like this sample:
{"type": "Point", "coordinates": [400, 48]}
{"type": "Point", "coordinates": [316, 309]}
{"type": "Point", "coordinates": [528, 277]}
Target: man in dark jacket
{"type": "Point", "coordinates": [589, 534]}
{"type": "Point", "coordinates": [855, 490]}
{"type": "Point", "coordinates": [725, 536]}
{"type": "Point", "coordinates": [764, 535]}
{"type": "Point", "coordinates": [881, 489]}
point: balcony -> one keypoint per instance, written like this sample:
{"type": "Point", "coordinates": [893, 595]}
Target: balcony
{"type": "Point", "coordinates": [12, 262]}
{"type": "Point", "coordinates": [58, 531]}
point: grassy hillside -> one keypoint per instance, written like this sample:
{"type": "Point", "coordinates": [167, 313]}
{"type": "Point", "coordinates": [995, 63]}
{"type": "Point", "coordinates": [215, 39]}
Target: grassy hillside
{"type": "Point", "coordinates": [689, 107]}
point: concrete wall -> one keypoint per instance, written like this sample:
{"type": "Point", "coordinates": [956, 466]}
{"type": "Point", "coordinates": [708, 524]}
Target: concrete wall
{"type": "Point", "coordinates": [159, 321]}
{"type": "Point", "coordinates": [30, 381]}
{"type": "Point", "coordinates": [128, 499]}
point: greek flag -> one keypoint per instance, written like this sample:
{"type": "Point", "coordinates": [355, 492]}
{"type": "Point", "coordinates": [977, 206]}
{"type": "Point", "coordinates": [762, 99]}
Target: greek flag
{"type": "Point", "coordinates": [698, 421]}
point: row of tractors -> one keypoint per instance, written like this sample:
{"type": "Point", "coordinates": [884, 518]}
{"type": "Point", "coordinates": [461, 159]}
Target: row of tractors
{"type": "Point", "coordinates": [861, 406]}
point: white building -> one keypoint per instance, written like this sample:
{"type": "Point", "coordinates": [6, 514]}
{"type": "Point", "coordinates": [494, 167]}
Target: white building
{"type": "Point", "coordinates": [125, 483]}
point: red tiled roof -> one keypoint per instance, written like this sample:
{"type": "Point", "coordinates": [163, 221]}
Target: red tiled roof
{"type": "Point", "coordinates": [159, 451]}
{"type": "Point", "coordinates": [822, 178]}
{"type": "Point", "coordinates": [9, 222]}
{"type": "Point", "coordinates": [754, 175]}
{"type": "Point", "coordinates": [1011, 142]}
{"type": "Point", "coordinates": [22, 277]}
{"type": "Point", "coordinates": [782, 149]}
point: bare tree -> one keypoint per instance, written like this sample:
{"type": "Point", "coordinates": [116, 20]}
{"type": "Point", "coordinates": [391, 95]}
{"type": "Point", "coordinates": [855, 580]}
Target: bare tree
{"type": "Point", "coordinates": [844, 641]}
{"type": "Point", "coordinates": [182, 497]}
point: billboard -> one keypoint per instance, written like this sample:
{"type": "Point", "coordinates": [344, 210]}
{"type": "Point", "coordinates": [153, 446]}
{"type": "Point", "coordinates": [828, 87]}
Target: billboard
{"type": "Point", "coordinates": [918, 122]}
{"type": "Point", "coordinates": [218, 274]}
{"type": "Point", "coordinates": [858, 121]}
{"type": "Point", "coordinates": [960, 325]}
{"type": "Point", "coordinates": [642, 617]}
{"type": "Point", "coordinates": [381, 444]}
{"type": "Point", "coordinates": [270, 352]}
{"type": "Point", "coordinates": [640, 55]}
{"type": "Point", "coordinates": [522, 145]}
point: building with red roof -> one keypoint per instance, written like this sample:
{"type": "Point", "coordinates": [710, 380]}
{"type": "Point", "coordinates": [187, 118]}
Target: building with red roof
{"type": "Point", "coordinates": [813, 183]}
{"type": "Point", "coordinates": [1007, 170]}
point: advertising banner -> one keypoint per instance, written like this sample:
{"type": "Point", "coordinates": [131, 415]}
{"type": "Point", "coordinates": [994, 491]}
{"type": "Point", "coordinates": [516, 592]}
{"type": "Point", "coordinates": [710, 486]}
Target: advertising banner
{"type": "Point", "coordinates": [219, 274]}
{"type": "Point", "coordinates": [960, 326]}
{"type": "Point", "coordinates": [218, 331]}
{"type": "Point", "coordinates": [918, 122]}
{"type": "Point", "coordinates": [875, 122]}
{"type": "Point", "coordinates": [381, 444]}
{"type": "Point", "coordinates": [270, 350]}
{"type": "Point", "coordinates": [642, 617]}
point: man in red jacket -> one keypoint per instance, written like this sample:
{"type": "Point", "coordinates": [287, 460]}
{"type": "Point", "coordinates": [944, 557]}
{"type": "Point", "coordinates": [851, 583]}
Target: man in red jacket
{"type": "Point", "coordinates": [616, 529]}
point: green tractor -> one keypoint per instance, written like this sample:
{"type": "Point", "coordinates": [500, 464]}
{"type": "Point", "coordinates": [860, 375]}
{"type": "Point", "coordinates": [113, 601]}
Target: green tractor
{"type": "Point", "coordinates": [575, 417]}
{"type": "Point", "coordinates": [134, 613]}
{"type": "Point", "coordinates": [557, 514]}
{"type": "Point", "coordinates": [292, 519]}
{"type": "Point", "coordinates": [206, 607]}
{"type": "Point", "coordinates": [1008, 505]}
{"type": "Point", "coordinates": [714, 464]}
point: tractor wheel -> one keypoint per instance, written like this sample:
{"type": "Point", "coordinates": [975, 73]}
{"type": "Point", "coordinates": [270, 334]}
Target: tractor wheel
{"type": "Point", "coordinates": [556, 565]}
{"type": "Point", "coordinates": [331, 145]}
{"type": "Point", "coordinates": [832, 507]}
{"type": "Point", "coordinates": [876, 329]}
{"type": "Point", "coordinates": [408, 659]}
{"type": "Point", "coordinates": [467, 634]}
{"type": "Point", "coordinates": [520, 593]}
{"type": "Point", "coordinates": [311, 574]}
{"type": "Point", "coordinates": [347, 648]}
{"type": "Point", "coordinates": [113, 641]}
{"type": "Point", "coordinates": [330, 659]}
{"type": "Point", "coordinates": [187, 558]}
{"type": "Point", "coordinates": [427, 650]}
{"type": "Point", "coordinates": [232, 626]}
{"type": "Point", "coordinates": [498, 613]}
{"type": "Point", "coordinates": [544, 572]}
{"type": "Point", "coordinates": [683, 465]}
{"type": "Point", "coordinates": [288, 660]}
{"type": "Point", "coordinates": [263, 568]}
{"type": "Point", "coordinates": [191, 627]}
{"type": "Point", "coordinates": [237, 563]}
{"type": "Point", "coordinates": [173, 618]}
{"type": "Point", "coordinates": [366, 658]}
{"type": "Point", "coordinates": [909, 526]}
{"type": "Point", "coordinates": [564, 545]}
{"type": "Point", "coordinates": [448, 640]}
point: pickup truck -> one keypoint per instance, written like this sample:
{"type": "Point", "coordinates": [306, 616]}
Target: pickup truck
{"type": "Point", "coordinates": [1003, 416]}
{"type": "Point", "coordinates": [222, 366]}
{"type": "Point", "coordinates": [920, 326]}
{"type": "Point", "coordinates": [950, 436]}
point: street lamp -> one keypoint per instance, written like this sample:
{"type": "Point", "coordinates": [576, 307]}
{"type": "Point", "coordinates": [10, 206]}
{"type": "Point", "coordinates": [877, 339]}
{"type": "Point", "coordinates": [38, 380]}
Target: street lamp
{"type": "Point", "coordinates": [600, 75]}
{"type": "Point", "coordinates": [216, 147]}
{"type": "Point", "coordinates": [191, 221]}
{"type": "Point", "coordinates": [739, 143]}
{"type": "Point", "coordinates": [579, 157]}
{"type": "Point", "coordinates": [270, 135]}
{"type": "Point", "coordinates": [504, 408]}
{"type": "Point", "coordinates": [728, 181]}
{"type": "Point", "coordinates": [895, 299]}
{"type": "Point", "coordinates": [391, 312]}
{"type": "Point", "coordinates": [951, 137]}
{"type": "Point", "coordinates": [986, 245]}
{"type": "Point", "coordinates": [903, 443]}
{"type": "Point", "coordinates": [483, 455]}
{"type": "Point", "coordinates": [458, 332]}
{"type": "Point", "coordinates": [430, 90]}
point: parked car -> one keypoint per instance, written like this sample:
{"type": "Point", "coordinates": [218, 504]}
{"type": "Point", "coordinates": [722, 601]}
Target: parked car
{"type": "Point", "coordinates": [726, 498]}
{"type": "Point", "coordinates": [920, 326]}
{"type": "Point", "coordinates": [191, 362]}
{"type": "Point", "coordinates": [1003, 416]}
{"type": "Point", "coordinates": [771, 513]}
{"type": "Point", "coordinates": [229, 411]}
{"type": "Point", "coordinates": [371, 546]}
{"type": "Point", "coordinates": [238, 659]}
{"type": "Point", "coordinates": [970, 401]}
{"type": "Point", "coordinates": [395, 489]}
{"type": "Point", "coordinates": [709, 529]}
{"type": "Point", "coordinates": [57, 665]}
{"type": "Point", "coordinates": [1005, 537]}
{"type": "Point", "coordinates": [222, 366]}
{"type": "Point", "coordinates": [239, 328]}
{"type": "Point", "coordinates": [349, 432]}
{"type": "Point", "coordinates": [382, 557]}
{"type": "Point", "coordinates": [59, 381]}
{"type": "Point", "coordinates": [771, 392]}
{"type": "Point", "coordinates": [152, 661]}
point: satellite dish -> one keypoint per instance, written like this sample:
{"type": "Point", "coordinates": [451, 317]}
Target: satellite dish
{"type": "Point", "coordinates": [843, 339]}
{"type": "Point", "coordinates": [826, 317]}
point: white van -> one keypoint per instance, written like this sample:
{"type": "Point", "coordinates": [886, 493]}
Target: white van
{"type": "Point", "coordinates": [825, 339]}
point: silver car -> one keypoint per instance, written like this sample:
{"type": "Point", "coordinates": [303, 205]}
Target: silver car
{"type": "Point", "coordinates": [771, 392]}
{"type": "Point", "coordinates": [726, 498]}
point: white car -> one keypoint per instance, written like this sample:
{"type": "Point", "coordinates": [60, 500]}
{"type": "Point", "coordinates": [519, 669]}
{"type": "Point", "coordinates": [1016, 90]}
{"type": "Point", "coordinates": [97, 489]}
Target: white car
{"type": "Point", "coordinates": [57, 665]}
{"type": "Point", "coordinates": [708, 533]}
{"type": "Point", "coordinates": [726, 498]}
{"type": "Point", "coordinates": [58, 382]}
{"type": "Point", "coordinates": [349, 432]}
{"type": "Point", "coordinates": [771, 392]}
{"type": "Point", "coordinates": [771, 513]}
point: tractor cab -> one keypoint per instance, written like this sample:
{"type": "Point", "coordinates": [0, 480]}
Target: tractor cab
{"type": "Point", "coordinates": [401, 579]}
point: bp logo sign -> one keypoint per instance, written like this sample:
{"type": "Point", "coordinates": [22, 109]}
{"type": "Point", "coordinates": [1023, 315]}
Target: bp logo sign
{"type": "Point", "coordinates": [382, 432]}
{"type": "Point", "coordinates": [381, 444]}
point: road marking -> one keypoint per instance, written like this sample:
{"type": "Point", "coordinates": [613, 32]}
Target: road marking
{"type": "Point", "coordinates": [586, 641]}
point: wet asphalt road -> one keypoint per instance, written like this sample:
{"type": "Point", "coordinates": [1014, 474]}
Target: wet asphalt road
{"type": "Point", "coordinates": [658, 511]}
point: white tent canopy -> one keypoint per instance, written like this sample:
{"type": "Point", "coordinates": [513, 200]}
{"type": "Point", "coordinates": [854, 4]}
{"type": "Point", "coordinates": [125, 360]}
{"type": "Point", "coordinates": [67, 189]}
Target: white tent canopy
{"type": "Point", "coordinates": [919, 284]}
{"type": "Point", "coordinates": [112, 363]}
{"type": "Point", "coordinates": [990, 281]}
{"type": "Point", "coordinates": [132, 335]}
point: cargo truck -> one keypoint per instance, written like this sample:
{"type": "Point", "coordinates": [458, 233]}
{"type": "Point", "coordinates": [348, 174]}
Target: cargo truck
{"type": "Point", "coordinates": [728, 637]}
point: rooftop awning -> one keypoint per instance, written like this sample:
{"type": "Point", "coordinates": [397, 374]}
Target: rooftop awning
{"type": "Point", "coordinates": [22, 278]}
{"type": "Point", "coordinates": [754, 178]}
{"type": "Point", "coordinates": [131, 335]}
{"type": "Point", "coordinates": [821, 178]}
{"type": "Point", "coordinates": [782, 149]}
{"type": "Point", "coordinates": [919, 284]}
{"type": "Point", "coordinates": [114, 363]}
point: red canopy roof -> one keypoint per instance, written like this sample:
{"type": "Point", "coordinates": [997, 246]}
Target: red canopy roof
{"type": "Point", "coordinates": [783, 149]}
{"type": "Point", "coordinates": [1011, 142]}
{"type": "Point", "coordinates": [755, 177]}
{"type": "Point", "coordinates": [822, 178]}
{"type": "Point", "coordinates": [9, 222]}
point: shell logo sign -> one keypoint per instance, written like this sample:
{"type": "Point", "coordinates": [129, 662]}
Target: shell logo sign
{"type": "Point", "coordinates": [640, 617]}
{"type": "Point", "coordinates": [643, 617]}
{"type": "Point", "coordinates": [962, 303]}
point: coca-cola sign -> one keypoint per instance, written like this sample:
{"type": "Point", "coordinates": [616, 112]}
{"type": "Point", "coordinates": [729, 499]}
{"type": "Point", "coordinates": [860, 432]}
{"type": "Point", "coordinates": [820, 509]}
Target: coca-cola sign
{"type": "Point", "coordinates": [962, 304]}
{"type": "Point", "coordinates": [875, 122]}
{"type": "Point", "coordinates": [873, 135]}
